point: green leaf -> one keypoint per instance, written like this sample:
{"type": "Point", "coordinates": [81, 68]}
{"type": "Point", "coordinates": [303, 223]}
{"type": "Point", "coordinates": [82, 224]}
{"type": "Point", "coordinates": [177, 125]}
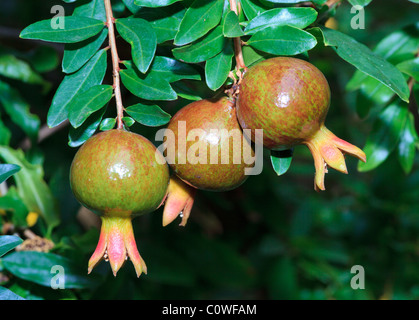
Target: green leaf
{"type": "Point", "coordinates": [43, 58]}
{"type": "Point", "coordinates": [142, 38]}
{"type": "Point", "coordinates": [281, 160]}
{"type": "Point", "coordinates": [410, 67]}
{"type": "Point", "coordinates": [282, 40]}
{"type": "Point", "coordinates": [154, 3]}
{"type": "Point", "coordinates": [37, 267]}
{"type": "Point", "coordinates": [14, 68]}
{"type": "Point", "coordinates": [8, 243]}
{"type": "Point", "coordinates": [252, 56]}
{"type": "Point", "coordinates": [12, 202]}
{"type": "Point", "coordinates": [18, 110]}
{"type": "Point", "coordinates": [407, 144]}
{"type": "Point", "coordinates": [149, 87]}
{"type": "Point", "coordinates": [94, 9]}
{"type": "Point", "coordinates": [75, 29]}
{"type": "Point", "coordinates": [5, 134]}
{"type": "Point", "coordinates": [294, 17]}
{"type": "Point", "coordinates": [397, 47]}
{"type": "Point", "coordinates": [148, 115]}
{"type": "Point", "coordinates": [172, 70]}
{"type": "Point", "coordinates": [76, 137]}
{"type": "Point", "coordinates": [184, 91]}
{"type": "Point", "coordinates": [107, 124]}
{"type": "Point", "coordinates": [31, 186]}
{"type": "Point", "coordinates": [165, 21]}
{"type": "Point", "coordinates": [89, 75]}
{"type": "Point", "coordinates": [366, 61]}
{"type": "Point", "coordinates": [252, 8]}
{"type": "Point", "coordinates": [165, 28]}
{"type": "Point", "coordinates": [131, 6]}
{"type": "Point", "coordinates": [218, 67]}
{"type": "Point", "coordinates": [6, 294]}
{"type": "Point", "coordinates": [7, 170]}
{"type": "Point", "coordinates": [384, 136]}
{"type": "Point", "coordinates": [128, 121]}
{"type": "Point", "coordinates": [203, 49]}
{"type": "Point", "coordinates": [87, 103]}
{"type": "Point", "coordinates": [231, 26]}
{"type": "Point", "coordinates": [201, 17]}
{"type": "Point", "coordinates": [77, 54]}
{"type": "Point", "coordinates": [372, 92]}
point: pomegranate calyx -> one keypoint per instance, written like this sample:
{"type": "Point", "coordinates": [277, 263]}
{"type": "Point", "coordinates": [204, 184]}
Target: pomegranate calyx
{"type": "Point", "coordinates": [117, 244]}
{"type": "Point", "coordinates": [329, 150]}
{"type": "Point", "coordinates": [179, 201]}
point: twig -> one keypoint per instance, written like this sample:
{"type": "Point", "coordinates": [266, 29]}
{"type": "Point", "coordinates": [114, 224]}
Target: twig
{"type": "Point", "coordinates": [331, 3]}
{"type": "Point", "coordinates": [110, 20]}
{"type": "Point", "coordinates": [238, 52]}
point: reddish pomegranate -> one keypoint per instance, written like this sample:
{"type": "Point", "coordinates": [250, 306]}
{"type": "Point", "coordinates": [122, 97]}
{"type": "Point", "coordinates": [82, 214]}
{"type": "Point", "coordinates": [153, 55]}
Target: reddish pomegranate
{"type": "Point", "coordinates": [119, 175]}
{"type": "Point", "coordinates": [206, 149]}
{"type": "Point", "coordinates": [289, 99]}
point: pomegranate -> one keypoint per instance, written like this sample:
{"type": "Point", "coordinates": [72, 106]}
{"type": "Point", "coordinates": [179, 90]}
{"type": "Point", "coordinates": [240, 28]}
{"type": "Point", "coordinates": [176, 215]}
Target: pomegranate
{"type": "Point", "coordinates": [289, 99]}
{"type": "Point", "coordinates": [206, 149]}
{"type": "Point", "coordinates": [119, 175]}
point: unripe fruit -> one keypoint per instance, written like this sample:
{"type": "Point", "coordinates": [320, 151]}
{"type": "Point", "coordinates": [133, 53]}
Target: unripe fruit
{"type": "Point", "coordinates": [119, 175]}
{"type": "Point", "coordinates": [289, 99]}
{"type": "Point", "coordinates": [206, 150]}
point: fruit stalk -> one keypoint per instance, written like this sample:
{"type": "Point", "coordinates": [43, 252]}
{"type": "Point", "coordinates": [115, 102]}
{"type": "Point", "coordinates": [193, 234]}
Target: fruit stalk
{"type": "Point", "coordinates": [110, 20]}
{"type": "Point", "coordinates": [238, 52]}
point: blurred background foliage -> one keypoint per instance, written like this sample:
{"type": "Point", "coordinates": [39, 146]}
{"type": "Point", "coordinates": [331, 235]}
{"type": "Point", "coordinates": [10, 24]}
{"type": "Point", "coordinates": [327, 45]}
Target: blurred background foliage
{"type": "Point", "coordinates": [272, 238]}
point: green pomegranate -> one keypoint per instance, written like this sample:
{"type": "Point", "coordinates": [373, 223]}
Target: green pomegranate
{"type": "Point", "coordinates": [206, 149]}
{"type": "Point", "coordinates": [119, 175]}
{"type": "Point", "coordinates": [289, 99]}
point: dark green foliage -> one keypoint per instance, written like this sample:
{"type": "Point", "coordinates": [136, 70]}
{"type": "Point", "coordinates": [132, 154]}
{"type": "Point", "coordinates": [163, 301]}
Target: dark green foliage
{"type": "Point", "coordinates": [272, 238]}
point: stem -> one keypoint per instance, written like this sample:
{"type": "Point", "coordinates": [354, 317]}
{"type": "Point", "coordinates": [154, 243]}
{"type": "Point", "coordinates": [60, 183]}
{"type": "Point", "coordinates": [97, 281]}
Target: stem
{"type": "Point", "coordinates": [238, 52]}
{"type": "Point", "coordinates": [331, 3]}
{"type": "Point", "coordinates": [110, 20]}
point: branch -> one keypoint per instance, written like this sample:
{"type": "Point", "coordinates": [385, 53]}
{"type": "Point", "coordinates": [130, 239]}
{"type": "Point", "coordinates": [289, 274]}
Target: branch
{"type": "Point", "coordinates": [110, 20]}
{"type": "Point", "coordinates": [238, 52]}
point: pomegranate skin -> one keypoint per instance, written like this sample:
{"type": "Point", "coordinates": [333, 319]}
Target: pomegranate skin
{"type": "Point", "coordinates": [116, 173]}
{"type": "Point", "coordinates": [207, 115]}
{"type": "Point", "coordinates": [286, 97]}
